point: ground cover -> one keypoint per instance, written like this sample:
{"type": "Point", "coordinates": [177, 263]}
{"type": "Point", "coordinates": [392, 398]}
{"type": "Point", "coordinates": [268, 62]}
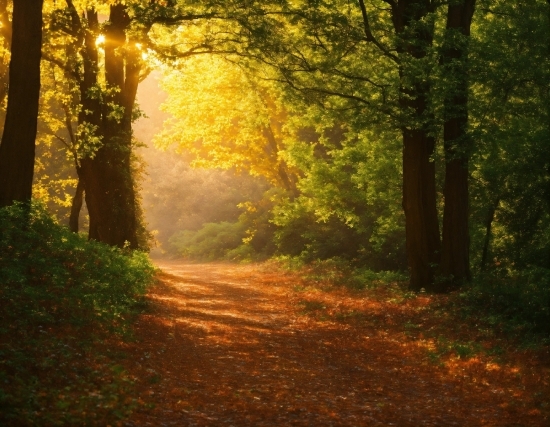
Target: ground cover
{"type": "Point", "coordinates": [253, 345]}
{"type": "Point", "coordinates": [62, 298]}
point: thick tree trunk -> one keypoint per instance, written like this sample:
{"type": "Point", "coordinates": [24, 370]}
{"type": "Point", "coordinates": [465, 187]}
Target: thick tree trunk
{"type": "Point", "coordinates": [419, 204]}
{"type": "Point", "coordinates": [122, 75]}
{"type": "Point", "coordinates": [109, 185]}
{"type": "Point", "coordinates": [90, 114]}
{"type": "Point", "coordinates": [455, 255]}
{"type": "Point", "coordinates": [17, 149]}
{"type": "Point", "coordinates": [419, 195]}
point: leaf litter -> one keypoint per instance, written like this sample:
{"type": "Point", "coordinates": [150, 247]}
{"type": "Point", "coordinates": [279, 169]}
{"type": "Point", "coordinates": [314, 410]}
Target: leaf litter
{"type": "Point", "coordinates": [251, 345]}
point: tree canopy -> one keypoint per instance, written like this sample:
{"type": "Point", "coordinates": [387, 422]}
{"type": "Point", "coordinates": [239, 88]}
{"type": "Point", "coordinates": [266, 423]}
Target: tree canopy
{"type": "Point", "coordinates": [389, 130]}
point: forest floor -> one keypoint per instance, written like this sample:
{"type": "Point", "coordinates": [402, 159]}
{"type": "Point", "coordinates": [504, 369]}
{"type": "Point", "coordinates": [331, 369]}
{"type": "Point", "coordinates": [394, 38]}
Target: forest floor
{"type": "Point", "coordinates": [249, 345]}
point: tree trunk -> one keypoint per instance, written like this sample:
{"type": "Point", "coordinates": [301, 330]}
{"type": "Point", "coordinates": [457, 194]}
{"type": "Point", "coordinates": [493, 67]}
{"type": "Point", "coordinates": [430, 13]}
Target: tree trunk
{"type": "Point", "coordinates": [5, 32]}
{"type": "Point", "coordinates": [419, 204]}
{"type": "Point", "coordinates": [419, 195]}
{"type": "Point", "coordinates": [17, 149]}
{"type": "Point", "coordinates": [455, 255]}
{"type": "Point", "coordinates": [76, 206]}
{"type": "Point", "coordinates": [108, 180]}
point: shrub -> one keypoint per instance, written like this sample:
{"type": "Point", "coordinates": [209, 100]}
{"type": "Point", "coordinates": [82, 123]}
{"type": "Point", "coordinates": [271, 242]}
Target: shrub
{"type": "Point", "coordinates": [59, 294]}
{"type": "Point", "coordinates": [249, 238]}
{"type": "Point", "coordinates": [339, 271]}
{"type": "Point", "coordinates": [371, 244]}
{"type": "Point", "coordinates": [212, 242]}
{"type": "Point", "coordinates": [514, 300]}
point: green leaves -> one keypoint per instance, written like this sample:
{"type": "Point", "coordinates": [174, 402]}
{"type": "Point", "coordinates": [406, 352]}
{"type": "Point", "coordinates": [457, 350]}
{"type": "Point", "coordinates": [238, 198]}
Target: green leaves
{"type": "Point", "coordinates": [59, 293]}
{"type": "Point", "coordinates": [510, 115]}
{"type": "Point", "coordinates": [61, 275]}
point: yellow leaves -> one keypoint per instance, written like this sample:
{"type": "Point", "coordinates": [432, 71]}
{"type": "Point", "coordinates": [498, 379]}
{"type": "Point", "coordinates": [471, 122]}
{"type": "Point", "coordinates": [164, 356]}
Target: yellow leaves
{"type": "Point", "coordinates": [223, 117]}
{"type": "Point", "coordinates": [54, 190]}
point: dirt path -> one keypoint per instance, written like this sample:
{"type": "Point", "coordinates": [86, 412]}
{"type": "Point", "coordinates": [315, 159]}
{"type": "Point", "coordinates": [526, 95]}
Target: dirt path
{"type": "Point", "coordinates": [229, 345]}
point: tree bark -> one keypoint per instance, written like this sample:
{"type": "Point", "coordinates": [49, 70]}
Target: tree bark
{"type": "Point", "coordinates": [76, 206]}
{"type": "Point", "coordinates": [17, 149]}
{"type": "Point", "coordinates": [419, 204]}
{"type": "Point", "coordinates": [419, 189]}
{"type": "Point", "coordinates": [455, 255]}
{"type": "Point", "coordinates": [108, 180]}
{"type": "Point", "coordinates": [5, 32]}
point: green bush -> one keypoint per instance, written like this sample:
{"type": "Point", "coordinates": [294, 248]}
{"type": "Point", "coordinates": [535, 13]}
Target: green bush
{"type": "Point", "coordinates": [59, 294]}
{"type": "Point", "coordinates": [339, 271]}
{"type": "Point", "coordinates": [212, 242]}
{"type": "Point", "coordinates": [249, 238]}
{"type": "Point", "coordinates": [518, 301]}
{"type": "Point", "coordinates": [370, 244]}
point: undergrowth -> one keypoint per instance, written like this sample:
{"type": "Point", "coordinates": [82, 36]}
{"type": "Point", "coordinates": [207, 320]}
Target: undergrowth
{"type": "Point", "coordinates": [62, 298]}
{"type": "Point", "coordinates": [340, 272]}
{"type": "Point", "coordinates": [514, 307]}
{"type": "Point", "coordinates": [517, 303]}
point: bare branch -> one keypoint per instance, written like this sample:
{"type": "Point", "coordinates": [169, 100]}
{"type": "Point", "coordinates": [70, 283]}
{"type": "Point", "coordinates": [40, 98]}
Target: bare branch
{"type": "Point", "coordinates": [63, 141]}
{"type": "Point", "coordinates": [360, 78]}
{"type": "Point", "coordinates": [175, 20]}
{"type": "Point", "coordinates": [63, 66]}
{"type": "Point", "coordinates": [370, 37]}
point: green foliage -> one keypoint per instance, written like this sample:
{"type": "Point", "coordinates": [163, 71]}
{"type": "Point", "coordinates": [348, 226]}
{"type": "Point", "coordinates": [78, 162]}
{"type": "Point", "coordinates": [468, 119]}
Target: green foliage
{"type": "Point", "coordinates": [54, 266]}
{"type": "Point", "coordinates": [249, 238]}
{"type": "Point", "coordinates": [374, 243]}
{"type": "Point", "coordinates": [517, 302]}
{"type": "Point", "coordinates": [59, 294]}
{"type": "Point", "coordinates": [212, 242]}
{"type": "Point", "coordinates": [349, 200]}
{"type": "Point", "coordinates": [340, 272]}
{"type": "Point", "coordinates": [510, 116]}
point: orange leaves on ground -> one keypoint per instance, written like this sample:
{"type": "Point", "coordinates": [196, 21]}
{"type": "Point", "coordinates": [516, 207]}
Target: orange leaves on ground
{"type": "Point", "coordinates": [252, 346]}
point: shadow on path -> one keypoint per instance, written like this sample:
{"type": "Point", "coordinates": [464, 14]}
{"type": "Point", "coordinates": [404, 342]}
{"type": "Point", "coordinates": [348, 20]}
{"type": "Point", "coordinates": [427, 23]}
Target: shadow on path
{"type": "Point", "coordinates": [226, 345]}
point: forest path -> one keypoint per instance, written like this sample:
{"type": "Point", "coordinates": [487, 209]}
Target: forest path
{"type": "Point", "coordinates": [237, 345]}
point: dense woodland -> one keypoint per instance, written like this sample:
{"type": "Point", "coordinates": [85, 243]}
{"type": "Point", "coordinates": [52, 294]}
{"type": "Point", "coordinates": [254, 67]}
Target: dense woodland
{"type": "Point", "coordinates": [377, 136]}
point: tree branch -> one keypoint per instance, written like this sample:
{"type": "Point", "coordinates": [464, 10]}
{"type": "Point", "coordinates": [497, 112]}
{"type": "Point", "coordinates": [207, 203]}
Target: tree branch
{"type": "Point", "coordinates": [66, 69]}
{"type": "Point", "coordinates": [370, 37]}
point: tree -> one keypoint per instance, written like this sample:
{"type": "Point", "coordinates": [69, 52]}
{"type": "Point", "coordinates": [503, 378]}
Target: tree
{"type": "Point", "coordinates": [226, 118]}
{"type": "Point", "coordinates": [376, 63]}
{"type": "Point", "coordinates": [99, 117]}
{"type": "Point", "coordinates": [17, 148]}
{"type": "Point", "coordinates": [414, 29]}
{"type": "Point", "coordinates": [382, 60]}
{"type": "Point", "coordinates": [108, 181]}
{"type": "Point", "coordinates": [107, 79]}
{"type": "Point", "coordinates": [455, 259]}
{"type": "Point", "coordinates": [510, 116]}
